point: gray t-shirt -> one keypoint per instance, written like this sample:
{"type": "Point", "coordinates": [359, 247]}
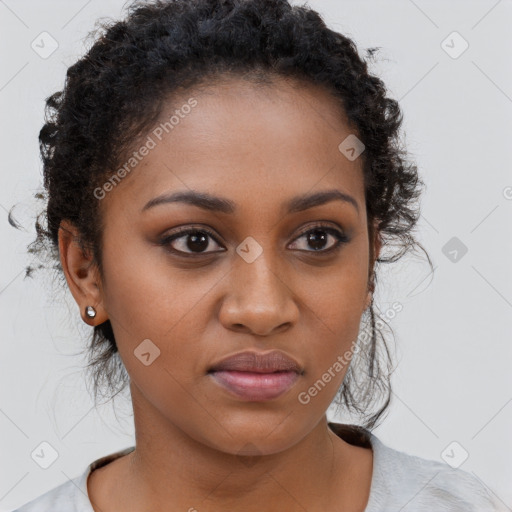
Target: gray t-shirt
{"type": "Point", "coordinates": [400, 482]}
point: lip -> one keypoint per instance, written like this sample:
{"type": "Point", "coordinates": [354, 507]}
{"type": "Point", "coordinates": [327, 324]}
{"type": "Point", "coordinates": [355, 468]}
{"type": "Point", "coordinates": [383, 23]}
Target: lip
{"type": "Point", "coordinates": [257, 362]}
{"type": "Point", "coordinates": [254, 376]}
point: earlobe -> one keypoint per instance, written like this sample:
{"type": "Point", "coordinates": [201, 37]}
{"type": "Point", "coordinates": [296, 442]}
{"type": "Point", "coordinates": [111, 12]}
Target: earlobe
{"type": "Point", "coordinates": [81, 274]}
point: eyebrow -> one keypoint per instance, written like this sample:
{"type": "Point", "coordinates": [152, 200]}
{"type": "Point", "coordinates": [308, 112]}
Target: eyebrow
{"type": "Point", "coordinates": [219, 204]}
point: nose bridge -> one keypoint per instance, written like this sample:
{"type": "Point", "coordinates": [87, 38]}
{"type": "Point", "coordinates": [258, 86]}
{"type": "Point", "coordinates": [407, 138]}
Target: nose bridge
{"type": "Point", "coordinates": [258, 278]}
{"type": "Point", "coordinates": [259, 299]}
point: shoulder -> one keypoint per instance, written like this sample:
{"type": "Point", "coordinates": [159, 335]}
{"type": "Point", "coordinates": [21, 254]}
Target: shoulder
{"type": "Point", "coordinates": [401, 480]}
{"type": "Point", "coordinates": [73, 494]}
{"type": "Point", "coordinates": [61, 498]}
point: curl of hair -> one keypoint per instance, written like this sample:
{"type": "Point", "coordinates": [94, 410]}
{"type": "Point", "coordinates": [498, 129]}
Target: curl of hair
{"type": "Point", "coordinates": [116, 91]}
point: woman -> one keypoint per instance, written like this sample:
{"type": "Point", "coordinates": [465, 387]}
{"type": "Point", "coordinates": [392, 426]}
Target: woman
{"type": "Point", "coordinates": [222, 179]}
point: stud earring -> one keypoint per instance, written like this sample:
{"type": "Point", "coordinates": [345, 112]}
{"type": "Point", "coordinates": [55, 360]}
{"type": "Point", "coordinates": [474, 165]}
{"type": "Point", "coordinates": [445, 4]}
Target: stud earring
{"type": "Point", "coordinates": [90, 311]}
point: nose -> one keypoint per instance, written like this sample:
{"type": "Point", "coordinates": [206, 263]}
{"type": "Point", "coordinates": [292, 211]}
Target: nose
{"type": "Point", "coordinates": [259, 301]}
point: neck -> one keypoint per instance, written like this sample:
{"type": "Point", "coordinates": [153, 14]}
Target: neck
{"type": "Point", "coordinates": [169, 466]}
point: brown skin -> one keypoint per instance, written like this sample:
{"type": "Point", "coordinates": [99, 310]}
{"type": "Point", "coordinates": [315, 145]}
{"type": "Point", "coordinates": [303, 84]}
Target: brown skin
{"type": "Point", "coordinates": [258, 147]}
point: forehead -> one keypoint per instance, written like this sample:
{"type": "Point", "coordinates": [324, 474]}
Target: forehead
{"type": "Point", "coordinates": [256, 143]}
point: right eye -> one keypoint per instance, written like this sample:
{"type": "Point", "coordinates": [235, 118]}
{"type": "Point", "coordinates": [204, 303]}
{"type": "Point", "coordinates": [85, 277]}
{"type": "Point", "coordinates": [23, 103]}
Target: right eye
{"type": "Point", "coordinates": [195, 240]}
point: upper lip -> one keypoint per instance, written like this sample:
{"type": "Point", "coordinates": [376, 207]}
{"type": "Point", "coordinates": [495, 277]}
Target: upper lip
{"type": "Point", "coordinates": [267, 362]}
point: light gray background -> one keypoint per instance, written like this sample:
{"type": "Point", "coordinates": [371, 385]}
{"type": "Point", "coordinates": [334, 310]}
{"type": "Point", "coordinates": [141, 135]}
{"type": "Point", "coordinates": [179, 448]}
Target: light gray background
{"type": "Point", "coordinates": [453, 381]}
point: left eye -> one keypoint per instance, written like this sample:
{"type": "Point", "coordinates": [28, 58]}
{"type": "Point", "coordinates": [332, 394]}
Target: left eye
{"type": "Point", "coordinates": [195, 241]}
{"type": "Point", "coordinates": [318, 237]}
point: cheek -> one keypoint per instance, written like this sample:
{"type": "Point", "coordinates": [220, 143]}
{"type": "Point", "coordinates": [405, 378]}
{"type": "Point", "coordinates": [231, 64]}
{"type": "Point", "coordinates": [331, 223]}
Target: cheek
{"type": "Point", "coordinates": [145, 295]}
{"type": "Point", "coordinates": [157, 309]}
{"type": "Point", "coordinates": [334, 307]}
{"type": "Point", "coordinates": [337, 297]}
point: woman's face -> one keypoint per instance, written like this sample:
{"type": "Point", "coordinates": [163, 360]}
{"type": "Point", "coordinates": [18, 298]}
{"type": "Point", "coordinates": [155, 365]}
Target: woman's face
{"type": "Point", "coordinates": [264, 281]}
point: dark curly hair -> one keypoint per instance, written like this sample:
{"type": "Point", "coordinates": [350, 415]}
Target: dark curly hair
{"type": "Point", "coordinates": [114, 93]}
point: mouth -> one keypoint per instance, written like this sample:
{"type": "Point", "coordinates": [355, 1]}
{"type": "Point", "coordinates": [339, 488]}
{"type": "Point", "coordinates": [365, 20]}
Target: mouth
{"type": "Point", "coordinates": [253, 376]}
{"type": "Point", "coordinates": [255, 386]}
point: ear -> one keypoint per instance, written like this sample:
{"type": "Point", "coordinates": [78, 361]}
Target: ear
{"type": "Point", "coordinates": [81, 273]}
{"type": "Point", "coordinates": [375, 247]}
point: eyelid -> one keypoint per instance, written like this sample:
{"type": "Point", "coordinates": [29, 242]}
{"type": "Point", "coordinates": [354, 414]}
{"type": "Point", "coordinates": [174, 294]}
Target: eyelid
{"type": "Point", "coordinates": [319, 224]}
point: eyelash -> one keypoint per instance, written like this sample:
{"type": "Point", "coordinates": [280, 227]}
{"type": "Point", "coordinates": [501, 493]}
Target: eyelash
{"type": "Point", "coordinates": [182, 232]}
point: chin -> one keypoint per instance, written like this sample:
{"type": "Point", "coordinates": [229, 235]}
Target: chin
{"type": "Point", "coordinates": [255, 434]}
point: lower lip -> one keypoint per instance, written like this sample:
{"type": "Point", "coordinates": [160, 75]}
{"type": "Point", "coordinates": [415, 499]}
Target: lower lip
{"type": "Point", "coordinates": [256, 387]}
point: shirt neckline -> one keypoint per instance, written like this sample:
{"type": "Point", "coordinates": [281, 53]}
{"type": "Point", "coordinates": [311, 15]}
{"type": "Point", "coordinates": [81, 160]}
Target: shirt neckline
{"type": "Point", "coordinates": [352, 434]}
